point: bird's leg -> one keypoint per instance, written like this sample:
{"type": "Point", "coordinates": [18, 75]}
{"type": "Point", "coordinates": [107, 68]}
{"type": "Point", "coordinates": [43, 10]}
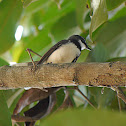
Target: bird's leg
{"type": "Point", "coordinates": [33, 52]}
{"type": "Point", "coordinates": [29, 52]}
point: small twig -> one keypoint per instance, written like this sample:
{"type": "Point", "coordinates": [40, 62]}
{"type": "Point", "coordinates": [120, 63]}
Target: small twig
{"type": "Point", "coordinates": [102, 90]}
{"type": "Point", "coordinates": [76, 88]}
{"type": "Point", "coordinates": [33, 52]}
{"type": "Point", "coordinates": [119, 103]}
{"type": "Point", "coordinates": [120, 93]}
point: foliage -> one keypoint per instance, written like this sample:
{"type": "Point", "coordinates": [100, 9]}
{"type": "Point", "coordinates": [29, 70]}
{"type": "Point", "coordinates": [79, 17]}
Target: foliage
{"type": "Point", "coordinates": [45, 22]}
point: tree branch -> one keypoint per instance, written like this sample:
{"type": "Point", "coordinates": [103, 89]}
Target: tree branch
{"type": "Point", "coordinates": [73, 74]}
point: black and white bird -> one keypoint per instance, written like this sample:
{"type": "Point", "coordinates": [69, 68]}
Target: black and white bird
{"type": "Point", "coordinates": [65, 51]}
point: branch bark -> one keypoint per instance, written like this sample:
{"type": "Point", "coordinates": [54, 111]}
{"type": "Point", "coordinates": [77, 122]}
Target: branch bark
{"type": "Point", "coordinates": [73, 74]}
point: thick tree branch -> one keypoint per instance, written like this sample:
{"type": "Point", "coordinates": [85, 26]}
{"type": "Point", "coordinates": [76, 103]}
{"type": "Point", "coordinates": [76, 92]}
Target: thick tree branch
{"type": "Point", "coordinates": [53, 75]}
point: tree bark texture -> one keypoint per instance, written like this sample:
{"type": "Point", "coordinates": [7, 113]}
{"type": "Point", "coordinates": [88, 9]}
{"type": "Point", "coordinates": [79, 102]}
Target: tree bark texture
{"type": "Point", "coordinates": [73, 74]}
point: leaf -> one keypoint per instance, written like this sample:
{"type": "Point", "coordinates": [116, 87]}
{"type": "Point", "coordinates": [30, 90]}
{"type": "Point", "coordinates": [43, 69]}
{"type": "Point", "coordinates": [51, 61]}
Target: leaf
{"type": "Point", "coordinates": [46, 101]}
{"type": "Point", "coordinates": [12, 97]}
{"type": "Point", "coordinates": [80, 98]}
{"type": "Point", "coordinates": [16, 50]}
{"type": "Point", "coordinates": [83, 56]}
{"type": "Point", "coordinates": [119, 14]}
{"type": "Point", "coordinates": [98, 54]}
{"type": "Point", "coordinates": [65, 27]}
{"type": "Point", "coordinates": [67, 102]}
{"type": "Point", "coordinates": [100, 15]}
{"type": "Point", "coordinates": [112, 4]}
{"type": "Point", "coordinates": [81, 117]}
{"type": "Point", "coordinates": [48, 11]}
{"type": "Point", "coordinates": [106, 99]}
{"type": "Point", "coordinates": [10, 12]}
{"type": "Point", "coordinates": [113, 35]}
{"type": "Point", "coordinates": [5, 117]}
{"type": "Point", "coordinates": [31, 96]}
{"type": "Point", "coordinates": [81, 11]}
{"type": "Point", "coordinates": [60, 97]}
{"type": "Point", "coordinates": [3, 62]}
{"type": "Point", "coordinates": [42, 109]}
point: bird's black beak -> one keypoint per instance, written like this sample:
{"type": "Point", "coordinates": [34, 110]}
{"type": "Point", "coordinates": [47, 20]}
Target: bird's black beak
{"type": "Point", "coordinates": [88, 48]}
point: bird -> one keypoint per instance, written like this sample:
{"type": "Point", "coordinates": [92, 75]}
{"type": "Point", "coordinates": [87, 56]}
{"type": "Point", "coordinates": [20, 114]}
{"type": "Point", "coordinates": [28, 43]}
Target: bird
{"type": "Point", "coordinates": [65, 51]}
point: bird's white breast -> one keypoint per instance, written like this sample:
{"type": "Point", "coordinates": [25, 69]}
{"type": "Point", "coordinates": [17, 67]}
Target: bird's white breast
{"type": "Point", "coordinates": [64, 54]}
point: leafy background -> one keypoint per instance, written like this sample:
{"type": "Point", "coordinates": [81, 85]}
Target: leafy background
{"type": "Point", "coordinates": [44, 23]}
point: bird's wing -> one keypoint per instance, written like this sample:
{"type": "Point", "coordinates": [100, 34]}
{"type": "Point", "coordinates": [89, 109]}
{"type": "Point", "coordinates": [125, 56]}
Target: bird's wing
{"type": "Point", "coordinates": [51, 50]}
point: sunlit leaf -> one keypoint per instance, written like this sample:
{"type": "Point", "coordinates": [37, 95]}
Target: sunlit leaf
{"type": "Point", "coordinates": [12, 96]}
{"type": "Point", "coordinates": [119, 14]}
{"type": "Point", "coordinates": [111, 4]}
{"type": "Point", "coordinates": [16, 50]}
{"type": "Point", "coordinates": [100, 15]}
{"type": "Point", "coordinates": [3, 62]}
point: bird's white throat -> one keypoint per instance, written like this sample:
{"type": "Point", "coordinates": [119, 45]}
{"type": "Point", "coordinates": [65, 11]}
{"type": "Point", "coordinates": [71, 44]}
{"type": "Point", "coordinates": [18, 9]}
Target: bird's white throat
{"type": "Point", "coordinates": [82, 45]}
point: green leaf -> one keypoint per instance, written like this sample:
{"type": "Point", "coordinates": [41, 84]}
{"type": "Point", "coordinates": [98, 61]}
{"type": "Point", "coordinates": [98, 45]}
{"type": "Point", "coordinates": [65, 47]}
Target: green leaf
{"type": "Point", "coordinates": [112, 4]}
{"type": "Point", "coordinates": [119, 14]}
{"type": "Point", "coordinates": [10, 12]}
{"type": "Point", "coordinates": [12, 97]}
{"type": "Point", "coordinates": [3, 62]}
{"type": "Point", "coordinates": [100, 15]}
{"type": "Point", "coordinates": [60, 97]}
{"type": "Point", "coordinates": [83, 56]}
{"type": "Point", "coordinates": [81, 11]}
{"type": "Point", "coordinates": [113, 36]}
{"type": "Point", "coordinates": [53, 14]}
{"type": "Point", "coordinates": [43, 14]}
{"type": "Point", "coordinates": [5, 117]}
{"type": "Point", "coordinates": [65, 27]}
{"type": "Point", "coordinates": [16, 50]}
{"type": "Point", "coordinates": [99, 54]}
{"type": "Point", "coordinates": [81, 117]}
{"type": "Point", "coordinates": [105, 100]}
{"type": "Point", "coordinates": [49, 10]}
